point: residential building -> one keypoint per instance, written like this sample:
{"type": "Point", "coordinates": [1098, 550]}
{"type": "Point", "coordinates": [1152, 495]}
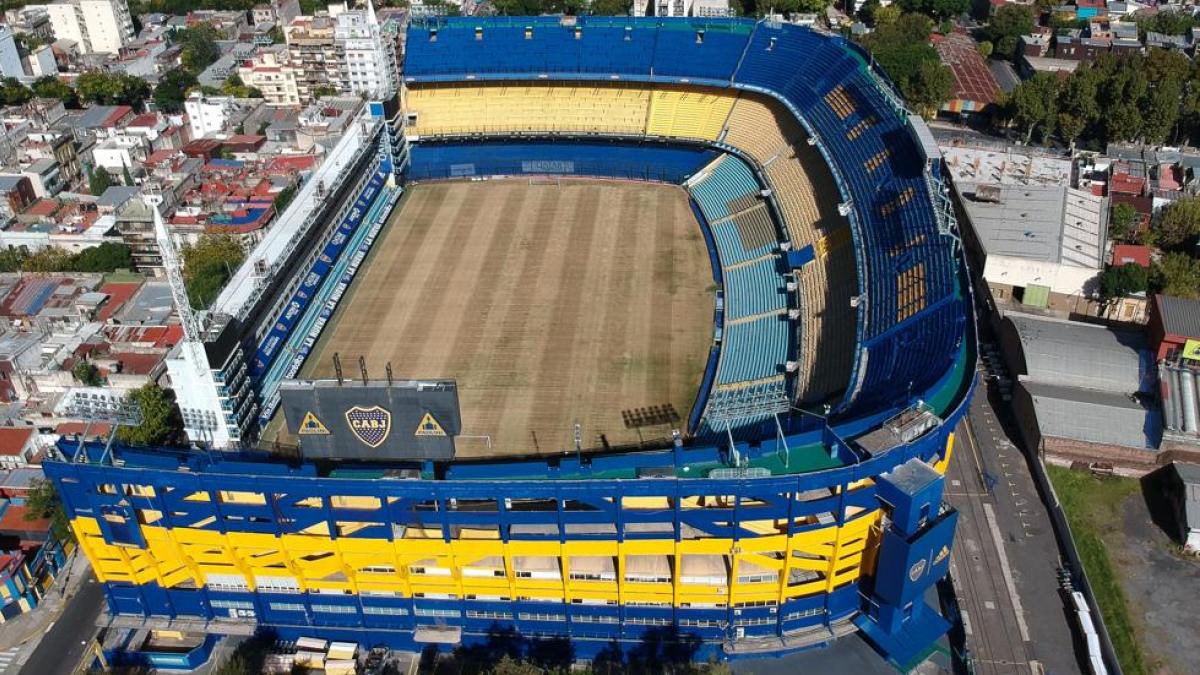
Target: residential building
{"type": "Point", "coordinates": [367, 58]}
{"type": "Point", "coordinates": [41, 62]}
{"type": "Point", "coordinates": [270, 73]}
{"type": "Point", "coordinates": [10, 56]}
{"type": "Point", "coordinates": [208, 115]}
{"type": "Point", "coordinates": [16, 193]}
{"type": "Point", "coordinates": [96, 26]}
{"type": "Point", "coordinates": [312, 51]}
{"type": "Point", "coordinates": [17, 445]}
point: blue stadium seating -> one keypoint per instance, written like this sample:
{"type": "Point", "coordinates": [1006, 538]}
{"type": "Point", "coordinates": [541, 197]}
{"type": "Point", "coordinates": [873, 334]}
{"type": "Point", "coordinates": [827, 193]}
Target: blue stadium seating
{"type": "Point", "coordinates": [753, 289]}
{"type": "Point", "coordinates": [664, 163]}
{"type": "Point", "coordinates": [728, 181]}
{"type": "Point", "coordinates": [825, 81]}
{"type": "Point", "coordinates": [753, 350]}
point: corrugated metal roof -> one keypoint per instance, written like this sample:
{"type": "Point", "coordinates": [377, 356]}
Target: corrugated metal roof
{"type": "Point", "coordinates": [1180, 315]}
{"type": "Point", "coordinates": [1083, 355]}
{"type": "Point", "coordinates": [1094, 416]}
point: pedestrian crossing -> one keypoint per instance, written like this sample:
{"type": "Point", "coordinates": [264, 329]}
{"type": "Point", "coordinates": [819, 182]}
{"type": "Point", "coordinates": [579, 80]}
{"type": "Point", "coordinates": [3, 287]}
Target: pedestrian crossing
{"type": "Point", "coordinates": [8, 659]}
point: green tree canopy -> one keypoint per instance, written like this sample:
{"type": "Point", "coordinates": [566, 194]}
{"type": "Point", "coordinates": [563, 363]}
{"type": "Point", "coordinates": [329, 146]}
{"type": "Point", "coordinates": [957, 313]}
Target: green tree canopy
{"type": "Point", "coordinates": [1167, 21]}
{"type": "Point", "coordinates": [1121, 281]}
{"type": "Point", "coordinates": [12, 92]}
{"type": "Point", "coordinates": [1033, 105]}
{"type": "Point", "coordinates": [52, 87]}
{"type": "Point", "coordinates": [43, 502]}
{"type": "Point", "coordinates": [172, 90]}
{"type": "Point", "coordinates": [610, 7]}
{"type": "Point", "coordinates": [1120, 226]}
{"type": "Point", "coordinates": [112, 89]}
{"type": "Point", "coordinates": [1177, 274]}
{"type": "Point", "coordinates": [98, 180]}
{"type": "Point", "coordinates": [87, 374]}
{"type": "Point", "coordinates": [200, 47]}
{"type": "Point", "coordinates": [208, 265]}
{"type": "Point", "coordinates": [161, 421]}
{"type": "Point", "coordinates": [902, 49]}
{"type": "Point", "coordinates": [107, 257]}
{"type": "Point", "coordinates": [1178, 223]}
{"type": "Point", "coordinates": [938, 9]}
{"type": "Point", "coordinates": [1008, 24]}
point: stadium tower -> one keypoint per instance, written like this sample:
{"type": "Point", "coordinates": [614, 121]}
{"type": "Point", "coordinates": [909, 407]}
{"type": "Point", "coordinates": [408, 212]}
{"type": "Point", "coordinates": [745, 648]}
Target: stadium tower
{"type": "Point", "coordinates": [800, 500]}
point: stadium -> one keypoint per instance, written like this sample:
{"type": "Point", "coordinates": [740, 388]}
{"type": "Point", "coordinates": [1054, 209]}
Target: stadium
{"type": "Point", "coordinates": [676, 330]}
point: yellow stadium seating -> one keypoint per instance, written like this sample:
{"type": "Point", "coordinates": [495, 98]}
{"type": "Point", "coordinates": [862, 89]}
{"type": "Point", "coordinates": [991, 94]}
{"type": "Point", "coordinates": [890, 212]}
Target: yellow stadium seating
{"type": "Point", "coordinates": [684, 113]}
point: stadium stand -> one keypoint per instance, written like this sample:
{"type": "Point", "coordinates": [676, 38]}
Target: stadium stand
{"type": "Point", "coordinates": [683, 113]}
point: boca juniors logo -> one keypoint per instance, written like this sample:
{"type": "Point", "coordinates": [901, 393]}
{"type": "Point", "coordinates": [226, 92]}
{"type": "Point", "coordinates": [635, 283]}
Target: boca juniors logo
{"type": "Point", "coordinates": [369, 425]}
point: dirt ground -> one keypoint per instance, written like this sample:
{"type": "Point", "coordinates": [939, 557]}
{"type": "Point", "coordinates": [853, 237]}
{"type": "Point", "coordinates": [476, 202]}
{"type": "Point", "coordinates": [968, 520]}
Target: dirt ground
{"type": "Point", "coordinates": [550, 304]}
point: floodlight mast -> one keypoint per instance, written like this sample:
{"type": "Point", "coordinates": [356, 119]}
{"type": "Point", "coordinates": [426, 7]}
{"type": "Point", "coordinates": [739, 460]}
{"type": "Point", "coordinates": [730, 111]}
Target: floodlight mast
{"type": "Point", "coordinates": [193, 334]}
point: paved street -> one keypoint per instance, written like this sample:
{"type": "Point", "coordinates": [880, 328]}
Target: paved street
{"type": "Point", "coordinates": [1005, 555]}
{"type": "Point", "coordinates": [62, 646]}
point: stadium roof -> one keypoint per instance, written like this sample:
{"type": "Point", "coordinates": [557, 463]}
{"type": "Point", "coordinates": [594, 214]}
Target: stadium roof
{"type": "Point", "coordinates": [1094, 416]}
{"type": "Point", "coordinates": [1072, 354]}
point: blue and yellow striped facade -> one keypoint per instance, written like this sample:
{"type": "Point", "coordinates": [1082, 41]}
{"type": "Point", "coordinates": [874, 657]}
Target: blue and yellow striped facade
{"type": "Point", "coordinates": [604, 559]}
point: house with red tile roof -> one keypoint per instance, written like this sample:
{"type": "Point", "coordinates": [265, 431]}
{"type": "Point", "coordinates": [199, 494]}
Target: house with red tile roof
{"type": "Point", "coordinates": [17, 445]}
{"type": "Point", "coordinates": [1124, 254]}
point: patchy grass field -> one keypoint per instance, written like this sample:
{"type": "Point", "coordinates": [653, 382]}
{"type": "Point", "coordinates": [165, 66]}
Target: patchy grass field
{"type": "Point", "coordinates": [1093, 508]}
{"type": "Point", "coordinates": [550, 304]}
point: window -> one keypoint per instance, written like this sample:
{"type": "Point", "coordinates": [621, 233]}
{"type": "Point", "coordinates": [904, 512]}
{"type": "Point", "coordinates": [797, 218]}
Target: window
{"type": "Point", "coordinates": [231, 604]}
{"type": "Point", "coordinates": [425, 611]}
{"type": "Point", "coordinates": [587, 618]}
{"type": "Point", "coordinates": [647, 621]}
{"type": "Point", "coordinates": [530, 616]}
{"type": "Point", "coordinates": [287, 606]}
{"type": "Point", "coordinates": [792, 616]}
{"type": "Point", "coordinates": [335, 609]}
{"type": "Point", "coordinates": [501, 616]}
{"type": "Point", "coordinates": [385, 611]}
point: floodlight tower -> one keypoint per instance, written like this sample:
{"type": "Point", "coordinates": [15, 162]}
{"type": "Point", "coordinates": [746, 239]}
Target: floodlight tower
{"type": "Point", "coordinates": [196, 387]}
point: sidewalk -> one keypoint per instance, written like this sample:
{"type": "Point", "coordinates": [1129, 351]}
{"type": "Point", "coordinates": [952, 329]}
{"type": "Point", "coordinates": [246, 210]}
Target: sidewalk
{"type": "Point", "coordinates": [19, 629]}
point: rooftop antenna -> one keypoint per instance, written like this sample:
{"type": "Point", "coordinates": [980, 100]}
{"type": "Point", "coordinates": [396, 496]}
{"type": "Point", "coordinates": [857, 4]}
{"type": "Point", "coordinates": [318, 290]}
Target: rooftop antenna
{"type": "Point", "coordinates": [362, 367]}
{"type": "Point", "coordinates": [389, 373]}
{"type": "Point", "coordinates": [337, 367]}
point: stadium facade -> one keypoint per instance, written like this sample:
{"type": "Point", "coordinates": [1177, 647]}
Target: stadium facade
{"type": "Point", "coordinates": [802, 504]}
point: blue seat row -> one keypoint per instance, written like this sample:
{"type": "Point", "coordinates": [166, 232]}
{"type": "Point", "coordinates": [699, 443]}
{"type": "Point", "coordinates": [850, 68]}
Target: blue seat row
{"type": "Point", "coordinates": [754, 350]}
{"type": "Point", "coordinates": [729, 181]}
{"type": "Point", "coordinates": [753, 289]}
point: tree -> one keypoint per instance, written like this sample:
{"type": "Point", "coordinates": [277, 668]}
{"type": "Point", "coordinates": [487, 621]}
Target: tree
{"type": "Point", "coordinates": [1178, 222]}
{"type": "Point", "coordinates": [107, 257]}
{"type": "Point", "coordinates": [98, 180]}
{"type": "Point", "coordinates": [1177, 274]}
{"type": "Point", "coordinates": [52, 87]}
{"type": "Point", "coordinates": [1167, 21]}
{"type": "Point", "coordinates": [208, 265]}
{"type": "Point", "coordinates": [938, 9]}
{"type": "Point", "coordinates": [1124, 280]}
{"type": "Point", "coordinates": [172, 90]}
{"type": "Point", "coordinates": [1031, 105]}
{"type": "Point", "coordinates": [88, 374]}
{"type": "Point", "coordinates": [902, 49]}
{"type": "Point", "coordinates": [1009, 22]}
{"type": "Point", "coordinates": [12, 92]}
{"type": "Point", "coordinates": [985, 49]}
{"type": "Point", "coordinates": [161, 421]}
{"type": "Point", "coordinates": [1120, 226]}
{"type": "Point", "coordinates": [610, 7]}
{"type": "Point", "coordinates": [200, 48]}
{"type": "Point", "coordinates": [112, 89]}
{"type": "Point", "coordinates": [42, 501]}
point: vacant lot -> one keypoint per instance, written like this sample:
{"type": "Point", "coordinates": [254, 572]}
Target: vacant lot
{"type": "Point", "coordinates": [550, 304]}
